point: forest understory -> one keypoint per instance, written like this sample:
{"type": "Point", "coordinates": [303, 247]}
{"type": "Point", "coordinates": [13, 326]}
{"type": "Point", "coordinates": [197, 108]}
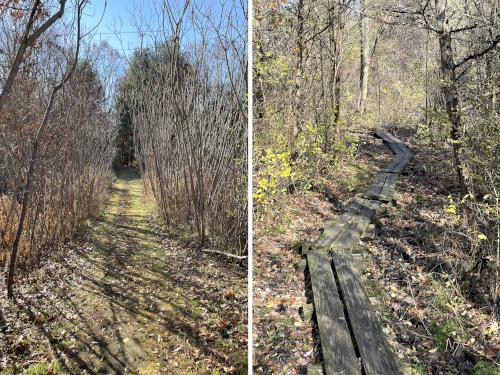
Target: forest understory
{"type": "Point", "coordinates": [128, 298]}
{"type": "Point", "coordinates": [412, 271]}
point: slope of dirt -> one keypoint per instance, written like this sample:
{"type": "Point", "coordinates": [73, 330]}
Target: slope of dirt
{"type": "Point", "coordinates": [131, 300]}
{"type": "Point", "coordinates": [437, 317]}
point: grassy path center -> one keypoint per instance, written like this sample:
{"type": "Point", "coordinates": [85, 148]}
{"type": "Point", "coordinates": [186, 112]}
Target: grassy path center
{"type": "Point", "coordinates": [139, 302]}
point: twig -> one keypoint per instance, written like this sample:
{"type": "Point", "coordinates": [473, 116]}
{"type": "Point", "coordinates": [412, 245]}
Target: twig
{"type": "Point", "coordinates": [240, 257]}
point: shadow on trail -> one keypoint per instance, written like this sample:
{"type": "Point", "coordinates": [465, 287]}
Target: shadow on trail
{"type": "Point", "coordinates": [131, 302]}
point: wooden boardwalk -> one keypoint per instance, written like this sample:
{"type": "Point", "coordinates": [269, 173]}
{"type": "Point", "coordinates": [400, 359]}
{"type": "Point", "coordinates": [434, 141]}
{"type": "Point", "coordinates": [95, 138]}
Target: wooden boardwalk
{"type": "Point", "coordinates": [352, 341]}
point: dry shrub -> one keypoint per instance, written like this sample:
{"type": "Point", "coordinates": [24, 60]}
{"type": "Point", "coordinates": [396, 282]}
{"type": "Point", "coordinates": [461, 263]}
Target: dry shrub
{"type": "Point", "coordinates": [72, 168]}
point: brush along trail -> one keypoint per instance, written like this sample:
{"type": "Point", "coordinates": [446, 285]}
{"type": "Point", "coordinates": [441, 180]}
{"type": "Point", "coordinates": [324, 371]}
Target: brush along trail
{"type": "Point", "coordinates": [131, 300]}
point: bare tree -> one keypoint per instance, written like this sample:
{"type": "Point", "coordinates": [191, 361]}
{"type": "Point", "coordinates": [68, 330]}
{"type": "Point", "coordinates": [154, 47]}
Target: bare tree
{"type": "Point", "coordinates": [51, 181]}
{"type": "Point", "coordinates": [299, 72]}
{"type": "Point", "coordinates": [189, 118]}
{"type": "Point", "coordinates": [29, 37]}
{"type": "Point", "coordinates": [364, 68]}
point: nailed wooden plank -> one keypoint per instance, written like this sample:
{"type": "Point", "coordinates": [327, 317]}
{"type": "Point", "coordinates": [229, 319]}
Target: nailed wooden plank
{"type": "Point", "coordinates": [351, 236]}
{"type": "Point", "coordinates": [396, 145]}
{"type": "Point", "coordinates": [338, 351]}
{"type": "Point", "coordinates": [392, 166]}
{"type": "Point", "coordinates": [376, 186]}
{"type": "Point", "coordinates": [397, 164]}
{"type": "Point", "coordinates": [356, 205]}
{"type": "Point", "coordinates": [393, 138]}
{"type": "Point", "coordinates": [383, 135]}
{"type": "Point", "coordinates": [363, 206]}
{"type": "Point", "coordinates": [370, 209]}
{"type": "Point", "coordinates": [331, 232]}
{"type": "Point", "coordinates": [357, 227]}
{"type": "Point", "coordinates": [389, 187]}
{"type": "Point", "coordinates": [376, 355]}
{"type": "Point", "coordinates": [404, 149]}
{"type": "Point", "coordinates": [398, 149]}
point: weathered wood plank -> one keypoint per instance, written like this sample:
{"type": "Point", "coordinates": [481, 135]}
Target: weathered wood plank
{"type": "Point", "coordinates": [363, 210]}
{"type": "Point", "coordinates": [371, 208]}
{"type": "Point", "coordinates": [376, 186]}
{"type": "Point", "coordinates": [393, 138]}
{"type": "Point", "coordinates": [404, 149]}
{"type": "Point", "coordinates": [329, 235]}
{"type": "Point", "coordinates": [351, 236]}
{"type": "Point", "coordinates": [397, 164]}
{"type": "Point", "coordinates": [383, 135]}
{"type": "Point", "coordinates": [333, 231]}
{"type": "Point", "coordinates": [396, 145]}
{"type": "Point", "coordinates": [376, 355]}
{"type": "Point", "coordinates": [365, 207]}
{"type": "Point", "coordinates": [355, 206]}
{"type": "Point", "coordinates": [393, 165]}
{"type": "Point", "coordinates": [389, 187]}
{"type": "Point", "coordinates": [338, 351]}
{"type": "Point", "coordinates": [398, 148]}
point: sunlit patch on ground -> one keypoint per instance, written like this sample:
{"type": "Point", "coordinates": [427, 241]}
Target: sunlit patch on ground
{"type": "Point", "coordinates": [130, 300]}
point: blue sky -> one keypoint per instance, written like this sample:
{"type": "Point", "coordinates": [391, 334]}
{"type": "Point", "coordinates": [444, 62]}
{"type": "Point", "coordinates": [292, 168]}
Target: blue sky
{"type": "Point", "coordinates": [122, 18]}
{"type": "Point", "coordinates": [119, 16]}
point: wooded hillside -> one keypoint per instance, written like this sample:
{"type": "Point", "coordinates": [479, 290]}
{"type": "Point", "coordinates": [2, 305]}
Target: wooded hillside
{"type": "Point", "coordinates": [326, 73]}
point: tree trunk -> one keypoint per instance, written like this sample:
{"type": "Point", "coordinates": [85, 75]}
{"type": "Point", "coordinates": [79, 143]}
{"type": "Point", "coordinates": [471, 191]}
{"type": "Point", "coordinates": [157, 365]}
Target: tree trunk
{"type": "Point", "coordinates": [337, 92]}
{"type": "Point", "coordinates": [364, 67]}
{"type": "Point", "coordinates": [336, 68]}
{"type": "Point", "coordinates": [449, 87]}
{"type": "Point", "coordinates": [11, 265]}
{"type": "Point", "coordinates": [334, 84]}
{"type": "Point", "coordinates": [258, 93]}
{"type": "Point", "coordinates": [298, 104]}
{"type": "Point", "coordinates": [27, 40]}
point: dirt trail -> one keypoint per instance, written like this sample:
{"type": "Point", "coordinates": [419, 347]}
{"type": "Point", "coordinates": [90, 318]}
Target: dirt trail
{"type": "Point", "coordinates": [137, 302]}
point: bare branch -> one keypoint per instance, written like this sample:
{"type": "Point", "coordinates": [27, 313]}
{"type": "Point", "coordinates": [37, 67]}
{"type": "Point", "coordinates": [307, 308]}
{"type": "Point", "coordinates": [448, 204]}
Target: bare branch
{"type": "Point", "coordinates": [493, 44]}
{"type": "Point", "coordinates": [26, 41]}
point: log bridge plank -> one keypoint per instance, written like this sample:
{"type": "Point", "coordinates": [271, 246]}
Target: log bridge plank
{"type": "Point", "coordinates": [376, 356]}
{"type": "Point", "coordinates": [351, 338]}
{"type": "Point", "coordinates": [339, 355]}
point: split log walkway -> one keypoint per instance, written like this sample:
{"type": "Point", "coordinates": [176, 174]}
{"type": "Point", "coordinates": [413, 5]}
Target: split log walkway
{"type": "Point", "coordinates": [351, 338]}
